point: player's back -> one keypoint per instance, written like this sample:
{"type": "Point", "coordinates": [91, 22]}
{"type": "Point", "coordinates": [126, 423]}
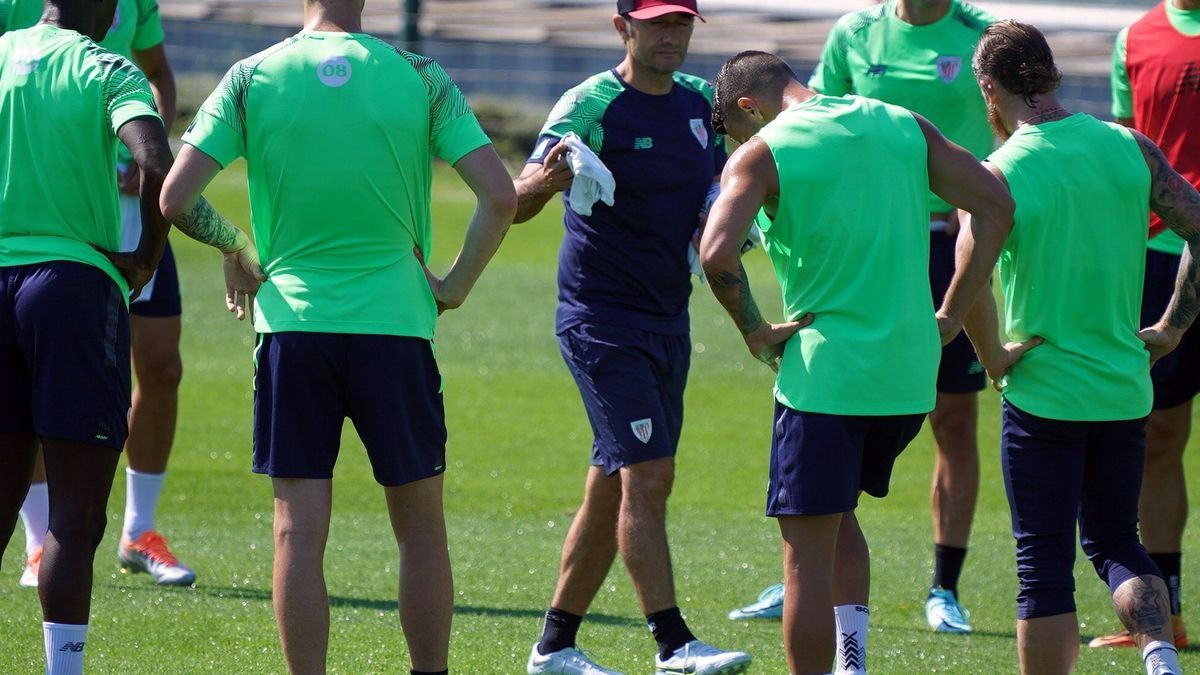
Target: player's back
{"type": "Point", "coordinates": [850, 243]}
{"type": "Point", "coordinates": [61, 98]}
{"type": "Point", "coordinates": [338, 131]}
{"type": "Point", "coordinates": [1072, 269]}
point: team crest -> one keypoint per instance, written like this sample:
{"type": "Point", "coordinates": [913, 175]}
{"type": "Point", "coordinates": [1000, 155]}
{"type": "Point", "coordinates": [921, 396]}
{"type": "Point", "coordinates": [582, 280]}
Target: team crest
{"type": "Point", "coordinates": [701, 134]}
{"type": "Point", "coordinates": [642, 429]}
{"type": "Point", "coordinates": [948, 67]}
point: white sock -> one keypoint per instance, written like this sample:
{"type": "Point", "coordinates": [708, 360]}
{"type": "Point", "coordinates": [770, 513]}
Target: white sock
{"type": "Point", "coordinates": [64, 647]}
{"type": "Point", "coordinates": [35, 515]}
{"type": "Point", "coordinates": [1160, 657]}
{"type": "Point", "coordinates": [141, 501]}
{"type": "Point", "coordinates": [851, 627]}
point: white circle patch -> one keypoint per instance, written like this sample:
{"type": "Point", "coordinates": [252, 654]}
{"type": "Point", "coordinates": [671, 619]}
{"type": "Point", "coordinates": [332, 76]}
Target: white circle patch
{"type": "Point", "coordinates": [334, 71]}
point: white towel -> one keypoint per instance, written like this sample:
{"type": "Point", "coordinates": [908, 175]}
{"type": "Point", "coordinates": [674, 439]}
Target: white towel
{"type": "Point", "coordinates": [593, 181]}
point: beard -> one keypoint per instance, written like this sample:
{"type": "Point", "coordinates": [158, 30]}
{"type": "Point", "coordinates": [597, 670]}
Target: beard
{"type": "Point", "coordinates": [993, 116]}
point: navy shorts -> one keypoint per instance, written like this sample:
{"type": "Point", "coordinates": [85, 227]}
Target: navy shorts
{"type": "Point", "coordinates": [1176, 376]}
{"type": "Point", "coordinates": [960, 371]}
{"type": "Point", "coordinates": [160, 297]}
{"type": "Point", "coordinates": [632, 384]}
{"type": "Point", "coordinates": [820, 462]}
{"type": "Point", "coordinates": [307, 384]}
{"type": "Point", "coordinates": [1060, 475]}
{"type": "Point", "coordinates": [64, 354]}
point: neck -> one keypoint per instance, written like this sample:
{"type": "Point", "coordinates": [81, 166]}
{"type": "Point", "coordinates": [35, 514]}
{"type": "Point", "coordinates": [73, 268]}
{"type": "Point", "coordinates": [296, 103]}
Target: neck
{"type": "Point", "coordinates": [78, 17]}
{"type": "Point", "coordinates": [922, 12]}
{"type": "Point", "coordinates": [1045, 109]}
{"type": "Point", "coordinates": [795, 93]}
{"type": "Point", "coordinates": [1186, 5]}
{"type": "Point", "coordinates": [338, 18]}
{"type": "Point", "coordinates": [643, 79]}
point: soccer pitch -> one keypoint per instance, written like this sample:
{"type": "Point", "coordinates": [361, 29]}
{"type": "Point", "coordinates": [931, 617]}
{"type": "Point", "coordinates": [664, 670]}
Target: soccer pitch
{"type": "Point", "coordinates": [519, 445]}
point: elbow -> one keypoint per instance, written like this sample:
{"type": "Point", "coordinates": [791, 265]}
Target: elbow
{"type": "Point", "coordinates": [501, 202]}
{"type": "Point", "coordinates": [171, 201]}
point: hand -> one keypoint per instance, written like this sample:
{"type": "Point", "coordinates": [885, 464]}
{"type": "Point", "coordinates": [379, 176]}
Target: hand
{"type": "Point", "coordinates": [948, 328]}
{"type": "Point", "coordinates": [130, 182]}
{"type": "Point", "coordinates": [1160, 340]}
{"type": "Point", "coordinates": [767, 342]}
{"type": "Point", "coordinates": [243, 276]}
{"type": "Point", "coordinates": [999, 364]}
{"type": "Point", "coordinates": [134, 267]}
{"type": "Point", "coordinates": [556, 172]}
{"type": "Point", "coordinates": [436, 285]}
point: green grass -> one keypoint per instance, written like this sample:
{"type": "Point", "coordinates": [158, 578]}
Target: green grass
{"type": "Point", "coordinates": [519, 444]}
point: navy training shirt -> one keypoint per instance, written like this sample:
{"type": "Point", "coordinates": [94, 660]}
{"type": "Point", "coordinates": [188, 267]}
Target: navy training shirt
{"type": "Point", "coordinates": [626, 264]}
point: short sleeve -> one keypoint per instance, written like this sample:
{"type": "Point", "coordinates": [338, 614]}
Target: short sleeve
{"type": "Point", "coordinates": [832, 74]}
{"type": "Point", "coordinates": [219, 128]}
{"type": "Point", "coordinates": [565, 116]}
{"type": "Point", "coordinates": [1122, 92]}
{"type": "Point", "coordinates": [453, 129]}
{"type": "Point", "coordinates": [126, 92]}
{"type": "Point", "coordinates": [149, 30]}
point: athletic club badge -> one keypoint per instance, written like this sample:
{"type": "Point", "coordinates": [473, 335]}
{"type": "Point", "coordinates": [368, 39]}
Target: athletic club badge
{"type": "Point", "coordinates": [948, 67]}
{"type": "Point", "coordinates": [643, 428]}
{"type": "Point", "coordinates": [701, 135]}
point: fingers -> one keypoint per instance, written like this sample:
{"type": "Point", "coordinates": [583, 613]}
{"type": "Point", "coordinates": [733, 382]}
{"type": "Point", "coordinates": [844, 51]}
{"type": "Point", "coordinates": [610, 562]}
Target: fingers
{"type": "Point", "coordinates": [557, 154]}
{"type": "Point", "coordinates": [1018, 349]}
{"type": "Point", "coordinates": [800, 323]}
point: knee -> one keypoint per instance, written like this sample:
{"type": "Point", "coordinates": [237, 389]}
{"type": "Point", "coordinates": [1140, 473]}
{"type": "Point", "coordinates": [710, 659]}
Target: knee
{"type": "Point", "coordinates": [1165, 442]}
{"type": "Point", "coordinates": [293, 534]}
{"type": "Point", "coordinates": [954, 427]}
{"type": "Point", "coordinates": [83, 529]}
{"type": "Point", "coordinates": [648, 482]}
{"type": "Point", "coordinates": [159, 368]}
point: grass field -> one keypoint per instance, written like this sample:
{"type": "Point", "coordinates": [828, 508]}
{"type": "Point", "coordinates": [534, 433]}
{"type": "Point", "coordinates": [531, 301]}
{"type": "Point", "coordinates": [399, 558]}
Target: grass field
{"type": "Point", "coordinates": [519, 445]}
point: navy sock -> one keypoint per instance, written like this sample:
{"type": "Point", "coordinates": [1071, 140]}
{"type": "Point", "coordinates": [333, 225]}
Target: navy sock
{"type": "Point", "coordinates": [670, 631]}
{"type": "Point", "coordinates": [1169, 564]}
{"type": "Point", "coordinates": [559, 631]}
{"type": "Point", "coordinates": [947, 565]}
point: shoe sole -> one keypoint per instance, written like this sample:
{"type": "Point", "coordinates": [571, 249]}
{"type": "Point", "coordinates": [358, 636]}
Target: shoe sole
{"type": "Point", "coordinates": [732, 669]}
{"type": "Point", "coordinates": [138, 567]}
{"type": "Point", "coordinates": [951, 630]}
{"type": "Point", "coordinates": [1099, 643]}
{"type": "Point", "coordinates": [735, 616]}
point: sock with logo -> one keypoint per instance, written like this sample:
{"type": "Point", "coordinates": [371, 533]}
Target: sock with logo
{"type": "Point", "coordinates": [1170, 564]}
{"type": "Point", "coordinates": [141, 500]}
{"type": "Point", "coordinates": [851, 628]}
{"type": "Point", "coordinates": [558, 632]}
{"type": "Point", "coordinates": [947, 566]}
{"type": "Point", "coordinates": [35, 515]}
{"type": "Point", "coordinates": [1160, 658]}
{"type": "Point", "coordinates": [670, 631]}
{"type": "Point", "coordinates": [64, 647]}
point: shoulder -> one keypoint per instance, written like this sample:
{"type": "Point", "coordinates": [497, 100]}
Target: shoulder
{"type": "Point", "coordinates": [590, 98]}
{"type": "Point", "coordinates": [856, 24]}
{"type": "Point", "coordinates": [971, 17]}
{"type": "Point", "coordinates": [239, 74]}
{"type": "Point", "coordinates": [697, 85]}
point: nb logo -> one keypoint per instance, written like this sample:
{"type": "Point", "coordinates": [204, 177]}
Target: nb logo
{"type": "Point", "coordinates": [71, 647]}
{"type": "Point", "coordinates": [877, 69]}
{"type": "Point", "coordinates": [643, 143]}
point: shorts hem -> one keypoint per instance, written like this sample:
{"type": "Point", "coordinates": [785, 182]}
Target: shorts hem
{"type": "Point", "coordinates": [117, 443]}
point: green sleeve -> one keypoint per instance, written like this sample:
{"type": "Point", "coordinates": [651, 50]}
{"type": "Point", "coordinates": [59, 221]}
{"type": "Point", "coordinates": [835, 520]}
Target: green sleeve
{"type": "Point", "coordinates": [564, 116]}
{"type": "Point", "coordinates": [219, 128]}
{"type": "Point", "coordinates": [453, 129]}
{"type": "Point", "coordinates": [149, 31]}
{"type": "Point", "coordinates": [127, 94]}
{"type": "Point", "coordinates": [1122, 93]}
{"type": "Point", "coordinates": [832, 74]}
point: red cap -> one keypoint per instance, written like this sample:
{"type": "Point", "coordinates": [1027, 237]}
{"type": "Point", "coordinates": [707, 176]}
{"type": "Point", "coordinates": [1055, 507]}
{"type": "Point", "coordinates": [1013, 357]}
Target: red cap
{"type": "Point", "coordinates": [650, 9]}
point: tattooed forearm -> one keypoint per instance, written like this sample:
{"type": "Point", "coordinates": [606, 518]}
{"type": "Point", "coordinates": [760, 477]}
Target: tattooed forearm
{"type": "Point", "coordinates": [733, 292]}
{"type": "Point", "coordinates": [1185, 303]}
{"type": "Point", "coordinates": [1177, 202]}
{"type": "Point", "coordinates": [205, 225]}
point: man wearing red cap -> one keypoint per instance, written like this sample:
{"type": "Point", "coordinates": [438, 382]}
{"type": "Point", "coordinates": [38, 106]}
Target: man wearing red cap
{"type": "Point", "coordinates": [622, 319]}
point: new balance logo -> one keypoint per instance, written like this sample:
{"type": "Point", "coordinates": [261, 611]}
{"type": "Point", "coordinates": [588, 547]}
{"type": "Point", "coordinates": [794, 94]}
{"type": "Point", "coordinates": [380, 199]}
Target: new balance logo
{"type": "Point", "coordinates": [877, 69]}
{"type": "Point", "coordinates": [853, 657]}
{"type": "Point", "coordinates": [643, 143]}
{"type": "Point", "coordinates": [71, 647]}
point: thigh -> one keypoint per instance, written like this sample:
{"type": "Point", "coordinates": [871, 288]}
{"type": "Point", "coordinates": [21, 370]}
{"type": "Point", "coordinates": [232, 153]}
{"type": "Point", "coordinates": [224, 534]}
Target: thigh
{"type": "Point", "coordinates": [1043, 463]}
{"type": "Point", "coordinates": [394, 397]}
{"type": "Point", "coordinates": [298, 406]}
{"type": "Point", "coordinates": [887, 437]}
{"type": "Point", "coordinates": [621, 390]}
{"type": "Point", "coordinates": [1176, 376]}
{"type": "Point", "coordinates": [959, 371]}
{"type": "Point", "coordinates": [816, 463]}
{"type": "Point", "coordinates": [73, 328]}
{"type": "Point", "coordinates": [1112, 482]}
{"type": "Point", "coordinates": [16, 379]}
{"type": "Point", "coordinates": [674, 358]}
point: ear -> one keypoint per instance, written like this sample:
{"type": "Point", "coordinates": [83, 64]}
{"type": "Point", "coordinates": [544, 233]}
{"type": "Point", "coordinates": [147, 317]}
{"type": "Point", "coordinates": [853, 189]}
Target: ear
{"type": "Point", "coordinates": [748, 105]}
{"type": "Point", "coordinates": [622, 26]}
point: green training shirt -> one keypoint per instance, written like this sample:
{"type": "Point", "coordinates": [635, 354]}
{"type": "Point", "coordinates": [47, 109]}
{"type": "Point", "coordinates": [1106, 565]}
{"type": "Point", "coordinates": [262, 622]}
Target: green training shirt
{"type": "Point", "coordinates": [62, 99]}
{"type": "Point", "coordinates": [1187, 22]}
{"type": "Point", "coordinates": [338, 131]}
{"type": "Point", "coordinates": [863, 272]}
{"type": "Point", "coordinates": [1072, 269]}
{"type": "Point", "coordinates": [926, 69]}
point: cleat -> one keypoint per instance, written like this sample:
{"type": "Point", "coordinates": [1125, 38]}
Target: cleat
{"type": "Point", "coordinates": [150, 554]}
{"type": "Point", "coordinates": [769, 605]}
{"type": "Point", "coordinates": [569, 661]}
{"type": "Point", "coordinates": [1123, 639]}
{"type": "Point", "coordinates": [699, 658]}
{"type": "Point", "coordinates": [29, 576]}
{"type": "Point", "coordinates": [944, 614]}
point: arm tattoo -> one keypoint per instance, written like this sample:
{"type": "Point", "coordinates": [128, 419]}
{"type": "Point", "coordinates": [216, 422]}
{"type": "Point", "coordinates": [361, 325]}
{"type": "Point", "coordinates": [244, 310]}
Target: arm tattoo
{"type": "Point", "coordinates": [205, 225]}
{"type": "Point", "coordinates": [733, 291]}
{"type": "Point", "coordinates": [1177, 202]}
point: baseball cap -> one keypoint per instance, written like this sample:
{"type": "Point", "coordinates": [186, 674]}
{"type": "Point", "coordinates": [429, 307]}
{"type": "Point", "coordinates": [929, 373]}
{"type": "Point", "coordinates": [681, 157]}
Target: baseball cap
{"type": "Point", "coordinates": [649, 9]}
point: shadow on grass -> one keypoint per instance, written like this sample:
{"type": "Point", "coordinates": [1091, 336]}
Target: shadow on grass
{"type": "Point", "coordinates": [388, 605]}
{"type": "Point", "coordinates": [892, 628]}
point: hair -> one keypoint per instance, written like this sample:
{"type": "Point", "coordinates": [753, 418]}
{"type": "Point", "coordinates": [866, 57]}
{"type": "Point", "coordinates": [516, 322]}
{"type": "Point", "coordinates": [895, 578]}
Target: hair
{"type": "Point", "coordinates": [1017, 56]}
{"type": "Point", "coordinates": [749, 72]}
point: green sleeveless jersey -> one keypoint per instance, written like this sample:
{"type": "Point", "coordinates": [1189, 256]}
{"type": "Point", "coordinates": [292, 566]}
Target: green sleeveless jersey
{"type": "Point", "coordinates": [849, 242]}
{"type": "Point", "coordinates": [1072, 269]}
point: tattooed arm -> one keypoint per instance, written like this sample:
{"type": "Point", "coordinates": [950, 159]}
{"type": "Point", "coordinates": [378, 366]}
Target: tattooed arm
{"type": "Point", "coordinates": [1177, 202]}
{"type": "Point", "coordinates": [750, 177]}
{"type": "Point", "coordinates": [205, 225]}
